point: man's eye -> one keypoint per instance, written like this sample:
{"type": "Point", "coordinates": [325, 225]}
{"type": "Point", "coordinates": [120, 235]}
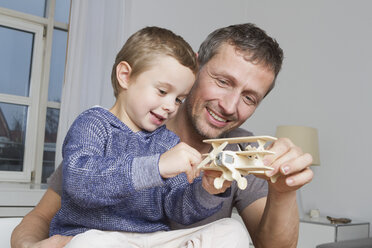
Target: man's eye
{"type": "Point", "coordinates": [249, 100]}
{"type": "Point", "coordinates": [221, 82]}
{"type": "Point", "coordinates": [162, 92]}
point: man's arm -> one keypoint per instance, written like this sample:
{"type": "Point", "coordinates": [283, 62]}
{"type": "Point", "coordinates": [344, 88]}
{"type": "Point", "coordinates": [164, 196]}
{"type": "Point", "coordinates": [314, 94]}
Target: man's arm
{"type": "Point", "coordinates": [33, 231]}
{"type": "Point", "coordinates": [274, 221]}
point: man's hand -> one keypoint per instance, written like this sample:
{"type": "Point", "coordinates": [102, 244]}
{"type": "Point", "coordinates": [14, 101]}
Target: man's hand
{"type": "Point", "coordinates": [181, 158]}
{"type": "Point", "coordinates": [208, 182]}
{"type": "Point", "coordinates": [56, 241]}
{"type": "Point", "coordinates": [290, 164]}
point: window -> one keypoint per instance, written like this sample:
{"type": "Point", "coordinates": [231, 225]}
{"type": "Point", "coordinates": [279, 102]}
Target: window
{"type": "Point", "coordinates": [32, 62]}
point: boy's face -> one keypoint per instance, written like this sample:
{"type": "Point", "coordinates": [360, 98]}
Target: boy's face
{"type": "Point", "coordinates": [153, 97]}
{"type": "Point", "coordinates": [226, 93]}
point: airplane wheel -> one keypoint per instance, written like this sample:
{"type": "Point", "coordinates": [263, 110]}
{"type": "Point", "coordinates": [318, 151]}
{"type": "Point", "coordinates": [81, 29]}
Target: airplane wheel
{"type": "Point", "coordinates": [218, 182]}
{"type": "Point", "coordinates": [242, 183]}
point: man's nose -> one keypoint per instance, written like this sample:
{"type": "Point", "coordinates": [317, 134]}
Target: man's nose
{"type": "Point", "coordinates": [229, 102]}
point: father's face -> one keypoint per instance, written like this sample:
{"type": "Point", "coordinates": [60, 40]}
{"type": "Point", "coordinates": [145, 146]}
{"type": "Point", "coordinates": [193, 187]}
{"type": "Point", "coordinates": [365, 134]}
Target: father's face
{"type": "Point", "coordinates": [227, 91]}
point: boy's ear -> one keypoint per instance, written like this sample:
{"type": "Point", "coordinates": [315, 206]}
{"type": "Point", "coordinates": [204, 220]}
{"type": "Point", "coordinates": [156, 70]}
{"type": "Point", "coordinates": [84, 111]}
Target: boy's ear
{"type": "Point", "coordinates": [123, 71]}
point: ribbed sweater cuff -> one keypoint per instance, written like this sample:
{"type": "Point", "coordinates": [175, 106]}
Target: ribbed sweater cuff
{"type": "Point", "coordinates": [146, 172]}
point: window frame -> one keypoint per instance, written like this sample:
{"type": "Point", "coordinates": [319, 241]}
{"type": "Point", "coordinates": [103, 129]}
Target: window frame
{"type": "Point", "coordinates": [37, 101]}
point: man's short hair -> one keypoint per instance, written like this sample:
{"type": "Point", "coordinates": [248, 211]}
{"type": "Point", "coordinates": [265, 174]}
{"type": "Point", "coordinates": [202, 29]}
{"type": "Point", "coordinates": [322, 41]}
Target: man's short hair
{"type": "Point", "coordinates": [256, 45]}
{"type": "Point", "coordinates": [144, 47]}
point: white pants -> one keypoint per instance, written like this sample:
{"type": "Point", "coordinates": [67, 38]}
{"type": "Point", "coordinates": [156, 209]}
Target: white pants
{"type": "Point", "coordinates": [222, 233]}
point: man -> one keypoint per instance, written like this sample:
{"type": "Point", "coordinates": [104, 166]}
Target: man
{"type": "Point", "coordinates": [238, 66]}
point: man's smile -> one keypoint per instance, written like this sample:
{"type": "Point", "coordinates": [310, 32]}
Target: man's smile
{"type": "Point", "coordinates": [215, 116]}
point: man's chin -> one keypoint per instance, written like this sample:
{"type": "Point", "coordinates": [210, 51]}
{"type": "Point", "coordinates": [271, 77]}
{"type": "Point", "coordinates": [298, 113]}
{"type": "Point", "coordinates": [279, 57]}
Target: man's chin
{"type": "Point", "coordinates": [211, 133]}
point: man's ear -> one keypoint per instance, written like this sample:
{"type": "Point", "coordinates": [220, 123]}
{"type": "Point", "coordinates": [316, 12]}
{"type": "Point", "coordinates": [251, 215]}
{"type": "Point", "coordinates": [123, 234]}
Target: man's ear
{"type": "Point", "coordinates": [123, 71]}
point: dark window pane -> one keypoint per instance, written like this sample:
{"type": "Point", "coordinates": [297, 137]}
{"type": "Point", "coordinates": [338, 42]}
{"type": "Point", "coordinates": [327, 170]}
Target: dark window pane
{"type": "Point", "coordinates": [57, 65]}
{"type": "Point", "coordinates": [62, 11]}
{"type": "Point", "coordinates": [33, 7]}
{"type": "Point", "coordinates": [13, 119]}
{"type": "Point", "coordinates": [51, 128]}
{"type": "Point", "coordinates": [15, 61]}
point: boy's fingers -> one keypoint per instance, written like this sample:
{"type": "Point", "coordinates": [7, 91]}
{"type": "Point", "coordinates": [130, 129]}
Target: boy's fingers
{"type": "Point", "coordinates": [194, 159]}
{"type": "Point", "coordinates": [191, 174]}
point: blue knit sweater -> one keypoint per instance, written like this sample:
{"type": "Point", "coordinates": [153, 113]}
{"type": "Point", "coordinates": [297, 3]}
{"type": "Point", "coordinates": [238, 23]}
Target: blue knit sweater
{"type": "Point", "coordinates": [111, 180]}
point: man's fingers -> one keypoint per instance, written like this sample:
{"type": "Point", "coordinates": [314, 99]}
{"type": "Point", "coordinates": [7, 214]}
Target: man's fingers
{"type": "Point", "coordinates": [285, 152]}
{"type": "Point", "coordinates": [291, 154]}
{"type": "Point", "coordinates": [299, 179]}
{"type": "Point", "coordinates": [226, 185]}
{"type": "Point", "coordinates": [212, 173]}
{"type": "Point", "coordinates": [208, 182]}
{"type": "Point", "coordinates": [279, 147]}
{"type": "Point", "coordinates": [296, 165]}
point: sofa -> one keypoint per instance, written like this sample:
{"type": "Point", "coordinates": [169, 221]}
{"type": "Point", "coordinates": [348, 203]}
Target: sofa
{"type": "Point", "coordinates": [7, 224]}
{"type": "Point", "coordinates": [355, 243]}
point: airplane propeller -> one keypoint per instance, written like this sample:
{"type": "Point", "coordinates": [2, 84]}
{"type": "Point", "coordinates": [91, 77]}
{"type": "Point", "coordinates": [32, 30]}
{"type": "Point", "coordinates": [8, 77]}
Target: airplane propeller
{"type": "Point", "coordinates": [212, 155]}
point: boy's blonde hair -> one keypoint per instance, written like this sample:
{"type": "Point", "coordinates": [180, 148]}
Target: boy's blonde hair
{"type": "Point", "coordinates": [143, 48]}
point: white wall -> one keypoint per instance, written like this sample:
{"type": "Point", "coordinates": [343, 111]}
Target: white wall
{"type": "Point", "coordinates": [325, 83]}
{"type": "Point", "coordinates": [191, 19]}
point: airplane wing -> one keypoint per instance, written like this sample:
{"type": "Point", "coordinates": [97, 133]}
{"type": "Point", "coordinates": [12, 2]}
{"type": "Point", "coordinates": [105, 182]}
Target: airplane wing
{"type": "Point", "coordinates": [240, 139]}
{"type": "Point", "coordinates": [254, 168]}
{"type": "Point", "coordinates": [245, 168]}
{"type": "Point", "coordinates": [213, 167]}
{"type": "Point", "coordinates": [252, 153]}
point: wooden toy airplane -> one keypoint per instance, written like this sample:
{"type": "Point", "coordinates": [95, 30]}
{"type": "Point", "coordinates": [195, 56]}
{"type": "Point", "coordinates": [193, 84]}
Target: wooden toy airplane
{"type": "Point", "coordinates": [236, 164]}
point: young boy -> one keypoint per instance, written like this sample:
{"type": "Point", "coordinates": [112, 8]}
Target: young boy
{"type": "Point", "coordinates": [122, 169]}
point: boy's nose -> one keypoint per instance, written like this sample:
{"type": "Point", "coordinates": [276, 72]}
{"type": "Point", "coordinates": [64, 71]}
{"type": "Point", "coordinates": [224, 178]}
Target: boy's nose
{"type": "Point", "coordinates": [169, 106]}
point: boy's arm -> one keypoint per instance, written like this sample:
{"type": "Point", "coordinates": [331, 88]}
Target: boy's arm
{"type": "Point", "coordinates": [89, 158]}
{"type": "Point", "coordinates": [189, 203]}
{"type": "Point", "coordinates": [186, 202]}
{"type": "Point", "coordinates": [33, 231]}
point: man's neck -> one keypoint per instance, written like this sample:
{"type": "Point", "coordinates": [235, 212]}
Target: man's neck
{"type": "Point", "coordinates": [182, 126]}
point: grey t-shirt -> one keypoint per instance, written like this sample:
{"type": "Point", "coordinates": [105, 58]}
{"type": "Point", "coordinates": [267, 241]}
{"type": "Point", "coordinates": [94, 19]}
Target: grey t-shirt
{"type": "Point", "coordinates": [234, 197]}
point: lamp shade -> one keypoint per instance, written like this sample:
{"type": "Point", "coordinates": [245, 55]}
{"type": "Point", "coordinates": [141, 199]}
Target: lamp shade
{"type": "Point", "coordinates": [304, 137]}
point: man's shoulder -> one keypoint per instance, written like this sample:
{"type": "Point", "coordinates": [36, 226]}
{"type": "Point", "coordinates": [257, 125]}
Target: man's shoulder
{"type": "Point", "coordinates": [238, 132]}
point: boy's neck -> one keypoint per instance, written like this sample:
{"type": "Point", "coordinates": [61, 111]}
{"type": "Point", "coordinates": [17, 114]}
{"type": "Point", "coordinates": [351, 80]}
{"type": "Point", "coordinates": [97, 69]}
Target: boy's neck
{"type": "Point", "coordinates": [119, 111]}
{"type": "Point", "coordinates": [182, 126]}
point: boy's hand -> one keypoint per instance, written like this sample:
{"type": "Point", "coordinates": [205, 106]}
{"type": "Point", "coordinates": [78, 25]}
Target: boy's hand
{"type": "Point", "coordinates": [181, 158]}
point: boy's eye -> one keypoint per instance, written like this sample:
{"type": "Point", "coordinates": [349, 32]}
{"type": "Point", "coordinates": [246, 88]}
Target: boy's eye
{"type": "Point", "coordinates": [180, 100]}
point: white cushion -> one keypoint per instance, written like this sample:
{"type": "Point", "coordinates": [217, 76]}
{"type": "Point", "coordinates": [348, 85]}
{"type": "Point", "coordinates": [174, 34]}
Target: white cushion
{"type": "Point", "coordinates": [7, 224]}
